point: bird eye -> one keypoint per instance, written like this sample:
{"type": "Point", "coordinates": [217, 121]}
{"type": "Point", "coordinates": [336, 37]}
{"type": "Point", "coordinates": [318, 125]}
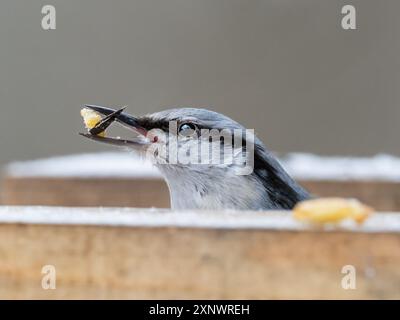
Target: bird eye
{"type": "Point", "coordinates": [187, 129]}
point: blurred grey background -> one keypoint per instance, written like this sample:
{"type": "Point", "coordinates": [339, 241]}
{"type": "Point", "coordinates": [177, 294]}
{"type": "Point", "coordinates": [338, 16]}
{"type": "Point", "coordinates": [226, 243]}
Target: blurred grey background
{"type": "Point", "coordinates": [283, 67]}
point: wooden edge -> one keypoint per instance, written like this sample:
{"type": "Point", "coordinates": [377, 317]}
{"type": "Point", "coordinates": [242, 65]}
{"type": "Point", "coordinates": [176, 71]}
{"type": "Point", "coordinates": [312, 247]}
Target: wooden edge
{"type": "Point", "coordinates": [162, 254]}
{"type": "Point", "coordinates": [385, 222]}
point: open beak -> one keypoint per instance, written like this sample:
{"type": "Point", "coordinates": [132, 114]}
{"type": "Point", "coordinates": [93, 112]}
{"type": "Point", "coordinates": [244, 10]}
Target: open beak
{"type": "Point", "coordinates": [111, 115]}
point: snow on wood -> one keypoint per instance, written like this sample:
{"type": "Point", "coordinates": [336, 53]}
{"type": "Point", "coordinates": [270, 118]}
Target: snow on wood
{"type": "Point", "coordinates": [301, 166]}
{"type": "Point", "coordinates": [160, 254]}
{"type": "Point", "coordinates": [130, 217]}
{"type": "Point", "coordinates": [305, 166]}
{"type": "Point", "coordinates": [90, 165]}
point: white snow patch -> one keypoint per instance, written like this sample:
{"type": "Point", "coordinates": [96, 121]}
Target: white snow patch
{"type": "Point", "coordinates": [305, 166]}
{"type": "Point", "coordinates": [301, 166]}
{"type": "Point", "coordinates": [130, 217]}
{"type": "Point", "coordinates": [90, 165]}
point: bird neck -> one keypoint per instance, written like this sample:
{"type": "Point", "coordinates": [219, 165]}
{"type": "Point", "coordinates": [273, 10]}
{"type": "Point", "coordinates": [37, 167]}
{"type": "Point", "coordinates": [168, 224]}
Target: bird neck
{"type": "Point", "coordinates": [213, 189]}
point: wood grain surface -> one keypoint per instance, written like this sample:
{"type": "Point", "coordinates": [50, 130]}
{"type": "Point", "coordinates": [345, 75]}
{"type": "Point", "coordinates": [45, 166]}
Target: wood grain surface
{"type": "Point", "coordinates": [269, 257]}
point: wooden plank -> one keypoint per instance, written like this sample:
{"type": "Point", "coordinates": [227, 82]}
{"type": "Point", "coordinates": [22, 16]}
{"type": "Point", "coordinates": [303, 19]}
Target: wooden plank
{"type": "Point", "coordinates": [138, 253]}
{"type": "Point", "coordinates": [381, 195]}
{"type": "Point", "coordinates": [153, 192]}
{"type": "Point", "coordinates": [112, 192]}
{"type": "Point", "coordinates": [85, 179]}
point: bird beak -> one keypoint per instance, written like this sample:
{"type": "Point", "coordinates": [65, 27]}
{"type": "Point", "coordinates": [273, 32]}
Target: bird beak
{"type": "Point", "coordinates": [111, 115]}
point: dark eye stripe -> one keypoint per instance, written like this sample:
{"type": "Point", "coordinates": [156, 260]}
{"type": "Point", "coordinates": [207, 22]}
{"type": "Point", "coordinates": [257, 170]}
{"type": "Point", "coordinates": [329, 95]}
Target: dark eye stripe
{"type": "Point", "coordinates": [149, 124]}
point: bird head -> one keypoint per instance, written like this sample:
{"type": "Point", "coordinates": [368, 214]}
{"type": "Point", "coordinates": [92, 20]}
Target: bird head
{"type": "Point", "coordinates": [208, 160]}
{"type": "Point", "coordinates": [185, 139]}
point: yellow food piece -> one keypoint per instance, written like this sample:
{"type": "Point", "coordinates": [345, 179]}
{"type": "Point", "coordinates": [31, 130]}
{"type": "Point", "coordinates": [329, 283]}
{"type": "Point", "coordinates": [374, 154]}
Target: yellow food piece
{"type": "Point", "coordinates": [331, 210]}
{"type": "Point", "coordinates": [91, 119]}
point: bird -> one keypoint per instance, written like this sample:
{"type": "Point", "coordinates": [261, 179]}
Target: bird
{"type": "Point", "coordinates": [213, 185]}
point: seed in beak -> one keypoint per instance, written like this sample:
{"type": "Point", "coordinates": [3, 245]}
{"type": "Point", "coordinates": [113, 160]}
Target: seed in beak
{"type": "Point", "coordinates": [91, 119]}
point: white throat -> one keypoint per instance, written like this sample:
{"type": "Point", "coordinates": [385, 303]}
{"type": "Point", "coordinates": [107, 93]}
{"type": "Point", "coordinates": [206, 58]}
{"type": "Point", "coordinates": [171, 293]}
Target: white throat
{"type": "Point", "coordinates": [212, 189]}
